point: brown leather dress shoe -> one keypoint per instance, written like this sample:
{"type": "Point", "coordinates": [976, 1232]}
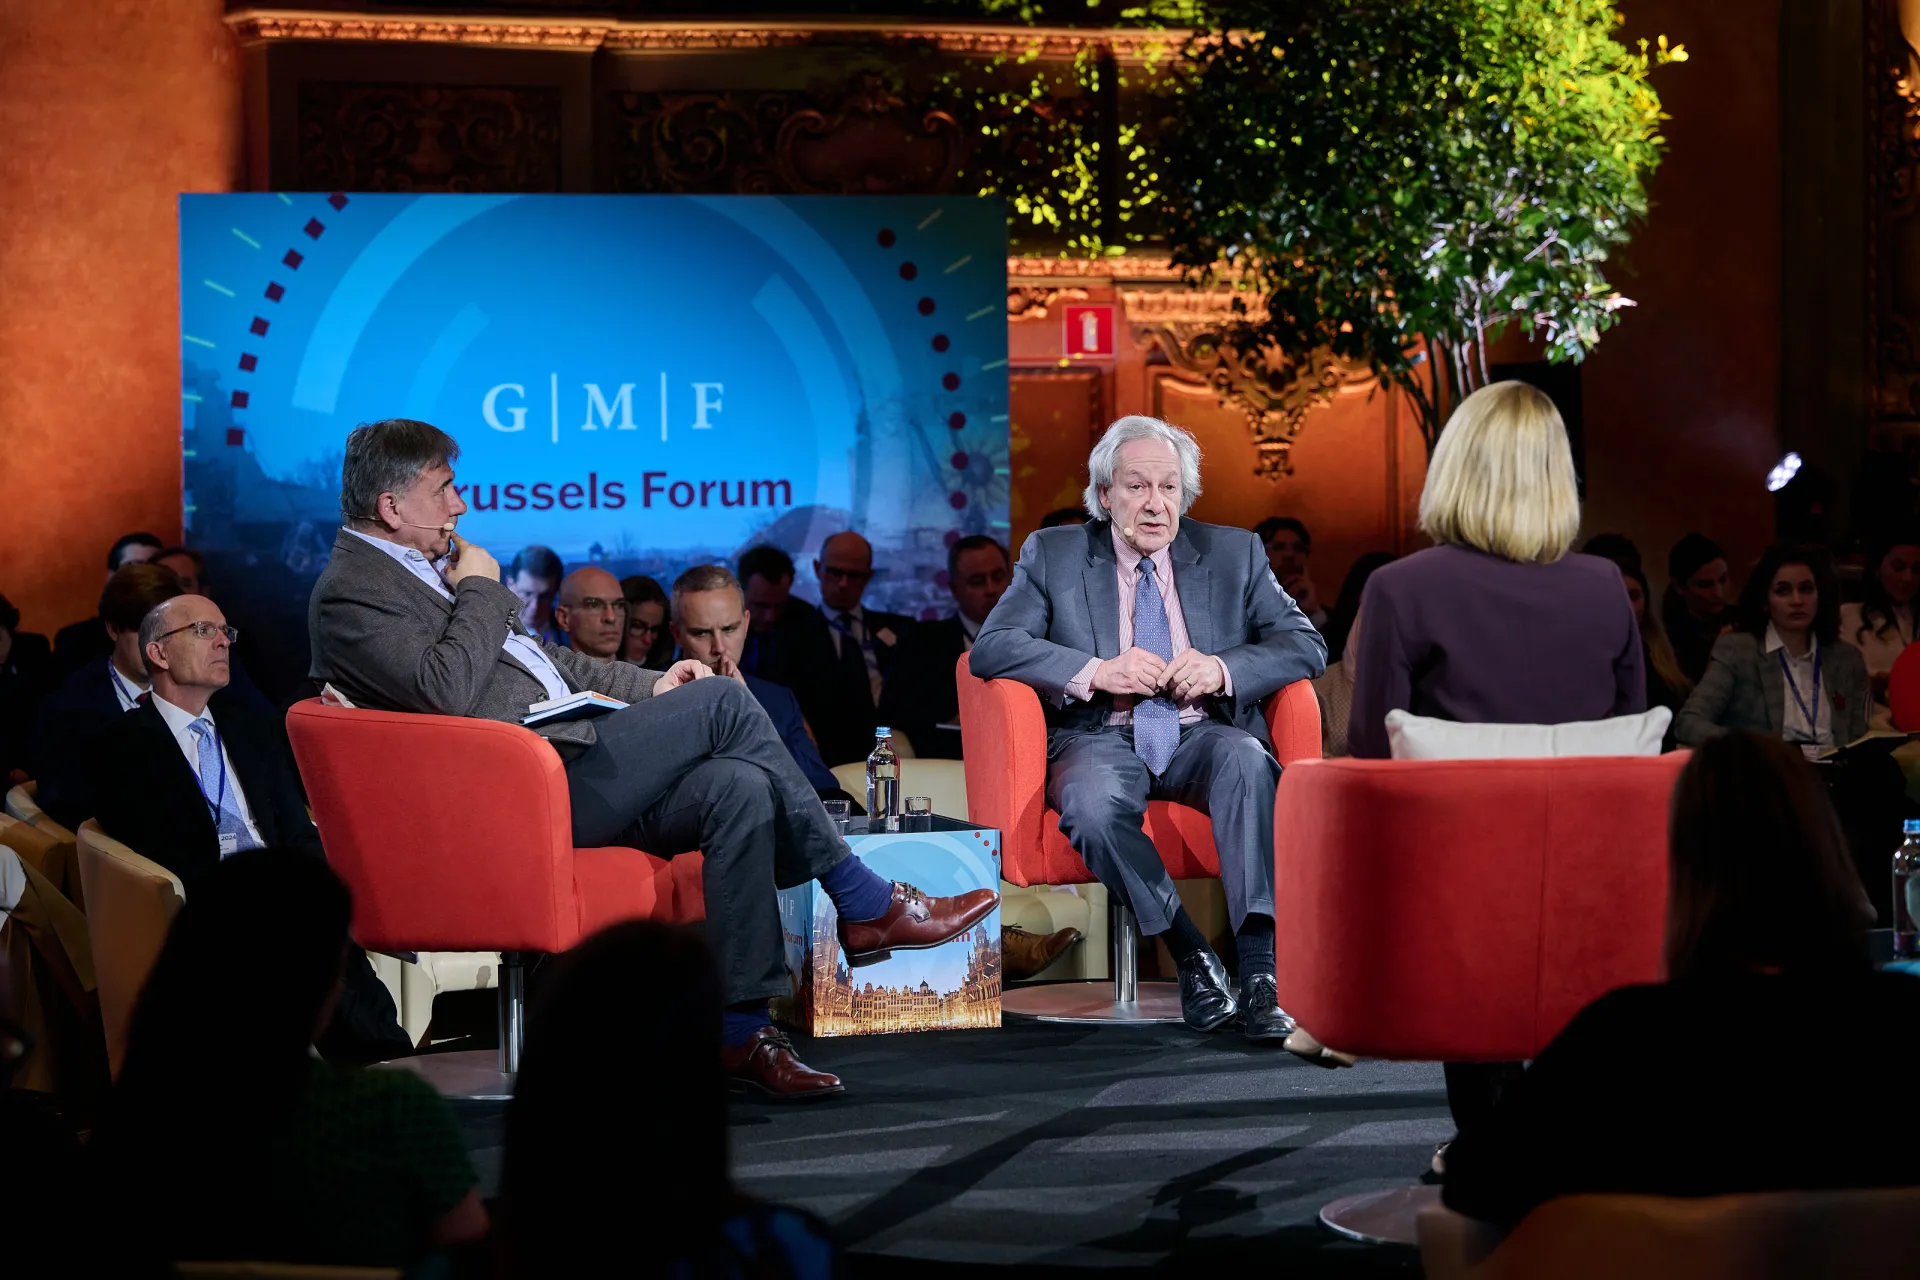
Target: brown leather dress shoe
{"type": "Point", "coordinates": [768, 1067]}
{"type": "Point", "coordinates": [1024, 954]}
{"type": "Point", "coordinates": [914, 922]}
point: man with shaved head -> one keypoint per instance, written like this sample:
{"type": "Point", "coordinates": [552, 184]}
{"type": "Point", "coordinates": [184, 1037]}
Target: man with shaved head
{"type": "Point", "coordinates": [192, 776]}
{"type": "Point", "coordinates": [592, 611]}
{"type": "Point", "coordinates": [859, 642]}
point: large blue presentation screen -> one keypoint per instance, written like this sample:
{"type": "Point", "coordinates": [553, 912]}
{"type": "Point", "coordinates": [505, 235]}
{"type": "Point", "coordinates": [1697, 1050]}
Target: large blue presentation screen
{"type": "Point", "coordinates": [646, 382]}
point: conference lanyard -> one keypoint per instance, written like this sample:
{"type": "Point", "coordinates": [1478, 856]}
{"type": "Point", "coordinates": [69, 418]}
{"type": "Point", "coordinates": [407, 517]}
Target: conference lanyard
{"type": "Point", "coordinates": [1786, 670]}
{"type": "Point", "coordinates": [124, 686]}
{"type": "Point", "coordinates": [217, 801]}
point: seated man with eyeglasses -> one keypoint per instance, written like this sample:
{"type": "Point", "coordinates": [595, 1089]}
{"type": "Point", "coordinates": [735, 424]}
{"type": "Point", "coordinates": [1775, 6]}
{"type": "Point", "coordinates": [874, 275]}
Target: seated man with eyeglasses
{"type": "Point", "coordinates": [857, 643]}
{"type": "Point", "coordinates": [191, 776]}
{"type": "Point", "coordinates": [592, 611]}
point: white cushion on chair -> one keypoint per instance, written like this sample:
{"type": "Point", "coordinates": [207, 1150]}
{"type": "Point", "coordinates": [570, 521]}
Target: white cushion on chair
{"type": "Point", "coordinates": [1412, 737]}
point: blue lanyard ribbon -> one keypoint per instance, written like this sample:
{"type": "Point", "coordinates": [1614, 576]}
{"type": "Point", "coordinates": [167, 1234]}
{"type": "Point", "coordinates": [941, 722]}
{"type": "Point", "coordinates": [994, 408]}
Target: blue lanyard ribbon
{"type": "Point", "coordinates": [1813, 723]}
{"type": "Point", "coordinates": [864, 640]}
{"type": "Point", "coordinates": [217, 801]}
{"type": "Point", "coordinates": [124, 685]}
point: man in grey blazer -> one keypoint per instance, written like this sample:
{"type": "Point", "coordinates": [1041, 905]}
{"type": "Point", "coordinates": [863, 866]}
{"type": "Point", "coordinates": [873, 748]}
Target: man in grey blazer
{"type": "Point", "coordinates": [409, 617]}
{"type": "Point", "coordinates": [1152, 641]}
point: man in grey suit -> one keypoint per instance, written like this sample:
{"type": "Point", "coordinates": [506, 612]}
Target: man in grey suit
{"type": "Point", "coordinates": [409, 617]}
{"type": "Point", "coordinates": [1152, 641]}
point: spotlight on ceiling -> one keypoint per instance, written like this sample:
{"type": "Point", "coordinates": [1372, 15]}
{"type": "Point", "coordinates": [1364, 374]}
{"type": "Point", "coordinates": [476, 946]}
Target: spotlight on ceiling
{"type": "Point", "coordinates": [1783, 473]}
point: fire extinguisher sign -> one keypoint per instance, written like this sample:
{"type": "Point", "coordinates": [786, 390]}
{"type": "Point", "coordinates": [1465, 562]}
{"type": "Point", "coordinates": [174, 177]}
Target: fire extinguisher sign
{"type": "Point", "coordinates": [1089, 332]}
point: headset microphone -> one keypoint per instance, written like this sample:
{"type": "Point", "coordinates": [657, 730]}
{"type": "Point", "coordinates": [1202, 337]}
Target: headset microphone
{"type": "Point", "coordinates": [1127, 532]}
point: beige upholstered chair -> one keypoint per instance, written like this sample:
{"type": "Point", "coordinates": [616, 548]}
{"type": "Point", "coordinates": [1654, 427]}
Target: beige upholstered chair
{"type": "Point", "coordinates": [131, 902]}
{"type": "Point", "coordinates": [21, 804]}
{"type": "Point", "coordinates": [1789, 1235]}
{"type": "Point", "coordinates": [1041, 909]}
{"type": "Point", "coordinates": [414, 983]}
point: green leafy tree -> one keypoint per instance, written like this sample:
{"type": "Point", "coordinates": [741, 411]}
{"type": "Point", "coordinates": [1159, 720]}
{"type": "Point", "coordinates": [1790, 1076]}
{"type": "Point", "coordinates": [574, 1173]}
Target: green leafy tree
{"type": "Point", "coordinates": [1394, 180]}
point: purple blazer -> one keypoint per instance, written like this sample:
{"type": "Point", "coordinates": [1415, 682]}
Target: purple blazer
{"type": "Point", "coordinates": [1458, 634]}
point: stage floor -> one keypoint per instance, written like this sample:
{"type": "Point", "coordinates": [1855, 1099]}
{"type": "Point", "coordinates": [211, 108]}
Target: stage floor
{"type": "Point", "coordinates": [1042, 1146]}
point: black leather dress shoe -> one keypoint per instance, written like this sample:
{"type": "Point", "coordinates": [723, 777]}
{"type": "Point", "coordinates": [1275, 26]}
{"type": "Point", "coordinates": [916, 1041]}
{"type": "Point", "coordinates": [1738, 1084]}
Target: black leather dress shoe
{"type": "Point", "coordinates": [1261, 1017]}
{"type": "Point", "coordinates": [1205, 1001]}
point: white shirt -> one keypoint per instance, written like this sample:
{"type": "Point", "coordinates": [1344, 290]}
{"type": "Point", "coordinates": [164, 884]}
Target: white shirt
{"type": "Point", "coordinates": [126, 692]}
{"type": "Point", "coordinates": [855, 620]}
{"type": "Point", "coordinates": [181, 721]}
{"type": "Point", "coordinates": [969, 632]}
{"type": "Point", "coordinates": [523, 649]}
{"type": "Point", "coordinates": [1793, 721]}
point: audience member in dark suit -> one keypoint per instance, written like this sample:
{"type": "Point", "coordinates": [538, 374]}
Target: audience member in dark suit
{"type": "Point", "coordinates": [1063, 516]}
{"type": "Point", "coordinates": [1152, 641]}
{"type": "Point", "coordinates": [72, 717]}
{"type": "Point", "coordinates": [591, 612]}
{"type": "Point", "coordinates": [858, 644]}
{"type": "Point", "coordinates": [534, 578]}
{"type": "Point", "coordinates": [1773, 1058]}
{"type": "Point", "coordinates": [710, 626]}
{"type": "Point", "coordinates": [1496, 623]}
{"type": "Point", "coordinates": [188, 779]}
{"type": "Point", "coordinates": [785, 634]}
{"type": "Point", "coordinates": [26, 669]}
{"type": "Point", "coordinates": [408, 617]}
{"type": "Point", "coordinates": [920, 694]}
{"type": "Point", "coordinates": [191, 568]}
{"type": "Point", "coordinates": [78, 643]}
{"type": "Point", "coordinates": [1697, 607]}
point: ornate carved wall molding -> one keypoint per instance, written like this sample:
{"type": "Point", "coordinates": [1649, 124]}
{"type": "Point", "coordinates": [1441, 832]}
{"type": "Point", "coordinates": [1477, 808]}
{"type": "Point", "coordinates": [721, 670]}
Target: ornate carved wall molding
{"type": "Point", "coordinates": [254, 26]}
{"type": "Point", "coordinates": [386, 137]}
{"type": "Point", "coordinates": [1274, 390]}
{"type": "Point", "coordinates": [258, 26]}
{"type": "Point", "coordinates": [864, 140]}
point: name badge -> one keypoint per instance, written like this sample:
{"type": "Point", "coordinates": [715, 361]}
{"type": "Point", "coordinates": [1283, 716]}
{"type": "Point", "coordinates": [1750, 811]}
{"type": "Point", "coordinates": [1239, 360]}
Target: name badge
{"type": "Point", "coordinates": [229, 844]}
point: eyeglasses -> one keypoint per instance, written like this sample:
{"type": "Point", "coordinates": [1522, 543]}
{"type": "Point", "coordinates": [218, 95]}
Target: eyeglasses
{"type": "Point", "coordinates": [204, 631]}
{"type": "Point", "coordinates": [646, 628]}
{"type": "Point", "coordinates": [594, 604]}
{"type": "Point", "coordinates": [846, 575]}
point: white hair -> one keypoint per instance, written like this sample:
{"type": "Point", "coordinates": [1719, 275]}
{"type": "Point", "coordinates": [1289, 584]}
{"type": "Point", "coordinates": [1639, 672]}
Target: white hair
{"type": "Point", "coordinates": [1136, 426]}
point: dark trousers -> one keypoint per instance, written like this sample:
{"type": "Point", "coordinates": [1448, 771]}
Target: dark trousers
{"type": "Point", "coordinates": [1101, 788]}
{"type": "Point", "coordinates": [365, 1026]}
{"type": "Point", "coordinates": [701, 767]}
{"type": "Point", "coordinates": [1474, 1089]}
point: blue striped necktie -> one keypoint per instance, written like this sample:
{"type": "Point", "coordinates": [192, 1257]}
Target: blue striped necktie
{"type": "Point", "coordinates": [1156, 721]}
{"type": "Point", "coordinates": [227, 819]}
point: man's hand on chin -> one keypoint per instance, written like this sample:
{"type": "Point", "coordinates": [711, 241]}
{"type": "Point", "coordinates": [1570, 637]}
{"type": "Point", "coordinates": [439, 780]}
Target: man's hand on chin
{"type": "Point", "coordinates": [730, 669]}
{"type": "Point", "coordinates": [680, 673]}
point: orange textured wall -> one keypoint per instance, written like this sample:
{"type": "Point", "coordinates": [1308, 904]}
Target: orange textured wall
{"type": "Point", "coordinates": [107, 111]}
{"type": "Point", "coordinates": [1682, 397]}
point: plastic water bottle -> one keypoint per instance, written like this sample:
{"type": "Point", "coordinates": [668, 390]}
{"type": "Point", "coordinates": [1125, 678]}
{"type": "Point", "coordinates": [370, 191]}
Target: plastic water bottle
{"type": "Point", "coordinates": [1906, 894]}
{"type": "Point", "coordinates": [883, 783]}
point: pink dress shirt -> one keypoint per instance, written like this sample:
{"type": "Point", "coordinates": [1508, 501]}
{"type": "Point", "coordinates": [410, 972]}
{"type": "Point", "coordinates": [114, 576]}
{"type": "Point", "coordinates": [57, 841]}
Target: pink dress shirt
{"type": "Point", "coordinates": [1127, 569]}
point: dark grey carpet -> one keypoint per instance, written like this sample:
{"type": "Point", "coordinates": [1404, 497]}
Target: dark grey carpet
{"type": "Point", "coordinates": [1042, 1147]}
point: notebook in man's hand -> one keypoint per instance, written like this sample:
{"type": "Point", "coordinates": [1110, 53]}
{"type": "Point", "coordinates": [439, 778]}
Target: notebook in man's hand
{"type": "Point", "coordinates": [577, 706]}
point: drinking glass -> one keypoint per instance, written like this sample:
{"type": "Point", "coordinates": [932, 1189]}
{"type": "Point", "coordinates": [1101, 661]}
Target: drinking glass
{"type": "Point", "coordinates": [839, 812]}
{"type": "Point", "coordinates": [919, 814]}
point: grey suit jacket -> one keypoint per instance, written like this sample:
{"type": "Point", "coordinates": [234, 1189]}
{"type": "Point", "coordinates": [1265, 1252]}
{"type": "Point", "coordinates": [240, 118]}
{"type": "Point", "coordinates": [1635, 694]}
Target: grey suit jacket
{"type": "Point", "coordinates": [1064, 608]}
{"type": "Point", "coordinates": [388, 640]}
{"type": "Point", "coordinates": [1743, 689]}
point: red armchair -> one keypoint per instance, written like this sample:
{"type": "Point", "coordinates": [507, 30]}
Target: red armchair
{"type": "Point", "coordinates": [1464, 911]}
{"type": "Point", "coordinates": [1004, 740]}
{"type": "Point", "coordinates": [455, 834]}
